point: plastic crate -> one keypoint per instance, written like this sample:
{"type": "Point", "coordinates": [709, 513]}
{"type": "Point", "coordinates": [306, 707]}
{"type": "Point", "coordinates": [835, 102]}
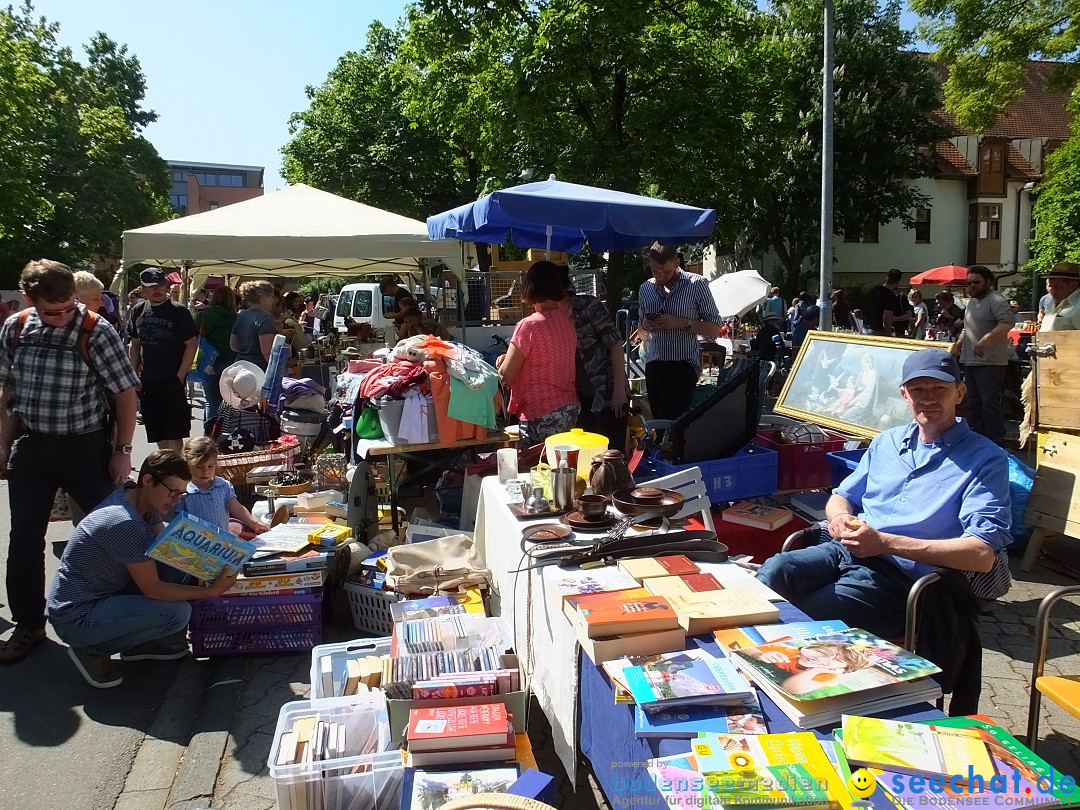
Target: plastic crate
{"type": "Point", "coordinates": [254, 642]}
{"type": "Point", "coordinates": [843, 463]}
{"type": "Point", "coordinates": [338, 653]}
{"type": "Point", "coordinates": [256, 612]}
{"type": "Point", "coordinates": [749, 473]}
{"type": "Point", "coordinates": [370, 608]}
{"type": "Point", "coordinates": [802, 466]}
{"type": "Point", "coordinates": [363, 782]}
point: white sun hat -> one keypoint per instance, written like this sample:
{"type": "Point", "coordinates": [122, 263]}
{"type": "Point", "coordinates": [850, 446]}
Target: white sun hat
{"type": "Point", "coordinates": [241, 384]}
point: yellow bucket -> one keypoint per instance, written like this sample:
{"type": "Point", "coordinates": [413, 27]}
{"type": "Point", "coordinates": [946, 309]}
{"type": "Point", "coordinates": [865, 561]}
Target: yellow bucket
{"type": "Point", "coordinates": [588, 444]}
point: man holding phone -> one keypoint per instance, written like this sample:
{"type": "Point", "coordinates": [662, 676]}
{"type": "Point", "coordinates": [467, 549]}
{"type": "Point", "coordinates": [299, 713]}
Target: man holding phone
{"type": "Point", "coordinates": [677, 308]}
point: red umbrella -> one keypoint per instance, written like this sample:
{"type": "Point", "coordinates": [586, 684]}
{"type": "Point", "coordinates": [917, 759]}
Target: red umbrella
{"type": "Point", "coordinates": [951, 275]}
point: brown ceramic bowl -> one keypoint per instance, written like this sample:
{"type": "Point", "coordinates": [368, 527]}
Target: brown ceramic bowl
{"type": "Point", "coordinates": [592, 506]}
{"type": "Point", "coordinates": [647, 495]}
{"type": "Point", "coordinates": [670, 502]}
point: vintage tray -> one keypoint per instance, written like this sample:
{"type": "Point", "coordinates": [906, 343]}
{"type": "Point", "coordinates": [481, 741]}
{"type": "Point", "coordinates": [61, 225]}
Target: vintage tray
{"type": "Point", "coordinates": [518, 511]}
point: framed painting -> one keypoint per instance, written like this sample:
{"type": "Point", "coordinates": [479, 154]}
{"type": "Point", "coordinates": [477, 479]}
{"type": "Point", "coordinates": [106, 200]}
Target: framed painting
{"type": "Point", "coordinates": [850, 383]}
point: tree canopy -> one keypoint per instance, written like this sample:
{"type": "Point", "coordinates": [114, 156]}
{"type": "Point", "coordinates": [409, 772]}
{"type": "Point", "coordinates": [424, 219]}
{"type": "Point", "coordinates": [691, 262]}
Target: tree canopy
{"type": "Point", "coordinates": [712, 104]}
{"type": "Point", "coordinates": [75, 170]}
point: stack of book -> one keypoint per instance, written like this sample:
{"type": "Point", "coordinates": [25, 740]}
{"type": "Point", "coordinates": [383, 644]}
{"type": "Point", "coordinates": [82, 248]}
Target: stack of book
{"type": "Point", "coordinates": [285, 563]}
{"type": "Point", "coordinates": [679, 679]}
{"type": "Point", "coordinates": [746, 513]}
{"type": "Point", "coordinates": [817, 679]}
{"type": "Point", "coordinates": [975, 762]}
{"type": "Point", "coordinates": [616, 624]}
{"type": "Point", "coordinates": [765, 770]}
{"type": "Point", "coordinates": [441, 735]}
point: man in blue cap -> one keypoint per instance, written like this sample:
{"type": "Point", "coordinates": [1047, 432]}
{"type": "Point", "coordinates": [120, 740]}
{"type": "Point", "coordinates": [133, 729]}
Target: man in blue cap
{"type": "Point", "coordinates": [929, 494]}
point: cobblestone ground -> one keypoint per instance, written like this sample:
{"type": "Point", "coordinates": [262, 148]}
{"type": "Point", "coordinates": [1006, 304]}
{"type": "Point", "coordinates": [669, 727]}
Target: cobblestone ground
{"type": "Point", "coordinates": [1008, 638]}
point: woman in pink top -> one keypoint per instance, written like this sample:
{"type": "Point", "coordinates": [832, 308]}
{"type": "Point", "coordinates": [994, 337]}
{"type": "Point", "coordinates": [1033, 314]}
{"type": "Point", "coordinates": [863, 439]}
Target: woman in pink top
{"type": "Point", "coordinates": [540, 366]}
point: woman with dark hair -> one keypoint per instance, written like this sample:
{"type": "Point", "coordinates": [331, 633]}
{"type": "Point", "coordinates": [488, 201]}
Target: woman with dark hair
{"type": "Point", "coordinates": [540, 365]}
{"type": "Point", "coordinates": [253, 333]}
{"type": "Point", "coordinates": [841, 313]}
{"type": "Point", "coordinates": [215, 323]}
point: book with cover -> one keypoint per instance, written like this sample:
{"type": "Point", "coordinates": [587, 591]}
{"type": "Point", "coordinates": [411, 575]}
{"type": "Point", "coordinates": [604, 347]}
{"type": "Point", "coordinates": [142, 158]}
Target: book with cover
{"type": "Point", "coordinates": [777, 770]}
{"type": "Point", "coordinates": [811, 504]}
{"type": "Point", "coordinates": [688, 584]}
{"type": "Point", "coordinates": [199, 548]}
{"type": "Point", "coordinates": [287, 537]}
{"type": "Point", "coordinates": [679, 679]}
{"type": "Point", "coordinates": [729, 574]}
{"type": "Point", "coordinates": [746, 513]}
{"type": "Point", "coordinates": [594, 580]}
{"type": "Point", "coordinates": [672, 565]}
{"type": "Point", "coordinates": [633, 614]}
{"type": "Point", "coordinates": [705, 611]}
{"type": "Point", "coordinates": [277, 582]}
{"type": "Point", "coordinates": [572, 605]}
{"type": "Point", "coordinates": [682, 788]}
{"type": "Point", "coordinates": [283, 563]}
{"type": "Point", "coordinates": [686, 722]}
{"type": "Point", "coordinates": [914, 748]}
{"type": "Point", "coordinates": [740, 638]}
{"type": "Point", "coordinates": [841, 663]}
{"type": "Point", "coordinates": [458, 756]}
{"type": "Point", "coordinates": [423, 790]}
{"type": "Point", "coordinates": [606, 648]}
{"type": "Point", "coordinates": [443, 727]}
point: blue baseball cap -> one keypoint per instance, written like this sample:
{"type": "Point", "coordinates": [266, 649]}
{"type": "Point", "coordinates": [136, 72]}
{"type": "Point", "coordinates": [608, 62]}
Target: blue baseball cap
{"type": "Point", "coordinates": [935, 363]}
{"type": "Point", "coordinates": [153, 277]}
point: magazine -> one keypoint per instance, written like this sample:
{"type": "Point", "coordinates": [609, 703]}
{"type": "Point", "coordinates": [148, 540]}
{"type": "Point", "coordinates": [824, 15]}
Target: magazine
{"type": "Point", "coordinates": [681, 679]}
{"type": "Point", "coordinates": [198, 548]}
{"type": "Point", "coordinates": [840, 663]}
{"type": "Point", "coordinates": [739, 638]}
{"type": "Point", "coordinates": [686, 722]}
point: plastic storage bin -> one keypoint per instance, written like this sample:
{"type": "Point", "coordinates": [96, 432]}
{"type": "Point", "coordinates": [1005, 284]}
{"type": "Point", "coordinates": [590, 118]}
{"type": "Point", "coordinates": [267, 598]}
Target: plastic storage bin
{"type": "Point", "coordinates": [843, 463]}
{"type": "Point", "coordinates": [802, 466]}
{"type": "Point", "coordinates": [747, 474]}
{"type": "Point", "coordinates": [241, 625]}
{"type": "Point", "coordinates": [338, 653]}
{"type": "Point", "coordinates": [390, 412]}
{"type": "Point", "coordinates": [370, 608]}
{"type": "Point", "coordinates": [361, 782]}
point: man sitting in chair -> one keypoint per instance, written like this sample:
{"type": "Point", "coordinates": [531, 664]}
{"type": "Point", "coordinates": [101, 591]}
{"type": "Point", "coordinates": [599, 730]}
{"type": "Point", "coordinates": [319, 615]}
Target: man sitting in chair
{"type": "Point", "coordinates": [926, 495]}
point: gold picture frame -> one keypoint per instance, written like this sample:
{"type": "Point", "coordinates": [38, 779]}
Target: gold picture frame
{"type": "Point", "coordinates": [849, 383]}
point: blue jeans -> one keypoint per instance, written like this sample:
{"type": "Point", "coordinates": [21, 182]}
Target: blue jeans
{"type": "Point", "coordinates": [826, 582]}
{"type": "Point", "coordinates": [118, 623]}
{"type": "Point", "coordinates": [212, 396]}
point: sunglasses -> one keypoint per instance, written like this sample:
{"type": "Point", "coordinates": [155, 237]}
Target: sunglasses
{"type": "Point", "coordinates": [173, 493]}
{"type": "Point", "coordinates": [56, 313]}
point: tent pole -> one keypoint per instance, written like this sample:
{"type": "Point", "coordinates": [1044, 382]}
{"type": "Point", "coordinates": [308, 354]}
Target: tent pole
{"type": "Point", "coordinates": [547, 248]}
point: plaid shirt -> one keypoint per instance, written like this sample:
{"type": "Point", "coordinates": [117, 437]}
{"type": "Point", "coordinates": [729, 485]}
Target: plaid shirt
{"type": "Point", "coordinates": [51, 388]}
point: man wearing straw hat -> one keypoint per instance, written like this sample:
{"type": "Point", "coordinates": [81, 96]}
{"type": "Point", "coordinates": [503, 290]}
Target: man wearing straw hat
{"type": "Point", "coordinates": [1063, 283]}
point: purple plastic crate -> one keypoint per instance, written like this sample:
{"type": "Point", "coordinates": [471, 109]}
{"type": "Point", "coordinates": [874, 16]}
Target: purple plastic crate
{"type": "Point", "coordinates": [244, 642]}
{"type": "Point", "coordinates": [256, 612]}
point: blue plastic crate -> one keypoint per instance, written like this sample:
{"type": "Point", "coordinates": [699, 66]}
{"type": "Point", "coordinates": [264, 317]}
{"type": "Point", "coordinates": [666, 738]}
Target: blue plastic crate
{"type": "Point", "coordinates": [749, 473]}
{"type": "Point", "coordinates": [843, 463]}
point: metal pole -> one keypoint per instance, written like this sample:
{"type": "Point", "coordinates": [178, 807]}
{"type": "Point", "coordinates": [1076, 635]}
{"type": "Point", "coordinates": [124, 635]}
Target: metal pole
{"type": "Point", "coordinates": [826, 251]}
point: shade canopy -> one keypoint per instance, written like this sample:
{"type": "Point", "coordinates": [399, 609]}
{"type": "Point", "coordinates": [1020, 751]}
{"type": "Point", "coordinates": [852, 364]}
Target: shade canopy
{"type": "Point", "coordinates": [951, 275]}
{"type": "Point", "coordinates": [561, 216]}
{"type": "Point", "coordinates": [297, 231]}
{"type": "Point", "coordinates": [738, 293]}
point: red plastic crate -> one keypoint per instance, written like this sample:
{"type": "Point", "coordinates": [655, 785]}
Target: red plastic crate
{"type": "Point", "coordinates": [802, 466]}
{"type": "Point", "coordinates": [256, 612]}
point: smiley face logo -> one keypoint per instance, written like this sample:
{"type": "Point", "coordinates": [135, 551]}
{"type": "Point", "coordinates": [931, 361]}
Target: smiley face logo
{"type": "Point", "coordinates": [862, 784]}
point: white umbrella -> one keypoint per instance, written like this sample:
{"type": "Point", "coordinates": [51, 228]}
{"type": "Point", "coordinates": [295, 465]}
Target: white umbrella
{"type": "Point", "coordinates": [738, 293]}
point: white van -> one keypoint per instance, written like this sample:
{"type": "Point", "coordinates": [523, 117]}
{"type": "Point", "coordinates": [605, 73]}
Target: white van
{"type": "Point", "coordinates": [363, 303]}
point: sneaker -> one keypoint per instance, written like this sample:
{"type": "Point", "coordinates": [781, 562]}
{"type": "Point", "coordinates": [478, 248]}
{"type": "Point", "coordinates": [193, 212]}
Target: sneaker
{"type": "Point", "coordinates": [98, 670]}
{"type": "Point", "coordinates": [156, 650]}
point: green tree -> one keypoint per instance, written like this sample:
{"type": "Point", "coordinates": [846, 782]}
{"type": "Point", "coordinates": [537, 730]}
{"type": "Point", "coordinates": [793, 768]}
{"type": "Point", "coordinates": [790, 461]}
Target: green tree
{"type": "Point", "coordinates": [1057, 206]}
{"type": "Point", "coordinates": [75, 170]}
{"type": "Point", "coordinates": [987, 44]}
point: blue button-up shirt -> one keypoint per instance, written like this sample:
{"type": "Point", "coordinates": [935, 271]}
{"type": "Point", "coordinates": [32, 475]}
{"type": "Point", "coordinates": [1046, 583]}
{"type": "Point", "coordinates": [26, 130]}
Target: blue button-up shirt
{"type": "Point", "coordinates": [958, 486]}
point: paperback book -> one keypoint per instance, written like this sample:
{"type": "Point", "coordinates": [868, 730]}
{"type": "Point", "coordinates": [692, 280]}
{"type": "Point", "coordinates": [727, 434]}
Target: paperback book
{"type": "Point", "coordinates": [741, 638]}
{"type": "Point", "coordinates": [705, 611]}
{"type": "Point", "coordinates": [679, 679]}
{"type": "Point", "coordinates": [199, 548]}
{"type": "Point", "coordinates": [446, 727]}
{"type": "Point", "coordinates": [425, 790]}
{"type": "Point", "coordinates": [841, 663]}
{"type": "Point", "coordinates": [594, 580]}
{"type": "Point", "coordinates": [746, 513]}
{"type": "Point", "coordinates": [627, 614]}
{"type": "Point", "coordinates": [915, 748]}
{"type": "Point", "coordinates": [686, 722]}
{"type": "Point", "coordinates": [672, 565]}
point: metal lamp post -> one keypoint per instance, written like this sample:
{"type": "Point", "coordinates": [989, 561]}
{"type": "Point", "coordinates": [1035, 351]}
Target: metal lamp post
{"type": "Point", "coordinates": [825, 253]}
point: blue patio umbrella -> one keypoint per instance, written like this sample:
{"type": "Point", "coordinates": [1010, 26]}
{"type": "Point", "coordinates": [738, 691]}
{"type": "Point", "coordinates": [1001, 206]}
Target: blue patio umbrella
{"type": "Point", "coordinates": [555, 215]}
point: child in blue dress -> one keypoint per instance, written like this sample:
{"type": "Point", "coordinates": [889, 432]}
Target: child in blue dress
{"type": "Point", "coordinates": [209, 496]}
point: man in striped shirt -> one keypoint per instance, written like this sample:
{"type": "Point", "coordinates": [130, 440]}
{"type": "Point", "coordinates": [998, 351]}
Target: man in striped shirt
{"type": "Point", "coordinates": [676, 308]}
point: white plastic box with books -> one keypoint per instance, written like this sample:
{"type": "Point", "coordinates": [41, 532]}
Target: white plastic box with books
{"type": "Point", "coordinates": [336, 655]}
{"type": "Point", "coordinates": [354, 771]}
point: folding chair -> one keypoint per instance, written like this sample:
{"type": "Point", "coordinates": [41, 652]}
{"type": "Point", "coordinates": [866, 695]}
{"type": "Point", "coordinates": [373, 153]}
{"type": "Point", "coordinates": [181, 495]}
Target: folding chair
{"type": "Point", "coordinates": [691, 486]}
{"type": "Point", "coordinates": [1064, 690]}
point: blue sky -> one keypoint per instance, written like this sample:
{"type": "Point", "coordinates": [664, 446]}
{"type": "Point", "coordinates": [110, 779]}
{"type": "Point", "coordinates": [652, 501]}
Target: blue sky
{"type": "Point", "coordinates": [224, 77]}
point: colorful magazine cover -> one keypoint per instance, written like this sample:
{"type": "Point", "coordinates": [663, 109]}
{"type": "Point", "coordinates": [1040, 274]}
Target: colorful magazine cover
{"type": "Point", "coordinates": [740, 638]}
{"type": "Point", "coordinates": [915, 748]}
{"type": "Point", "coordinates": [686, 722]}
{"type": "Point", "coordinates": [840, 663]}
{"type": "Point", "coordinates": [199, 548]}
{"type": "Point", "coordinates": [678, 678]}
{"type": "Point", "coordinates": [769, 769]}
{"type": "Point", "coordinates": [682, 788]}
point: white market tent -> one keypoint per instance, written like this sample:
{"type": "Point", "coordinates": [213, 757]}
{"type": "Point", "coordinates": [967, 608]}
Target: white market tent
{"type": "Point", "coordinates": [298, 231]}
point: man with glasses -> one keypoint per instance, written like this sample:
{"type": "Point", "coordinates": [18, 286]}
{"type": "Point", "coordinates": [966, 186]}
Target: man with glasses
{"type": "Point", "coordinates": [984, 351]}
{"type": "Point", "coordinates": [59, 369]}
{"type": "Point", "coordinates": [676, 308]}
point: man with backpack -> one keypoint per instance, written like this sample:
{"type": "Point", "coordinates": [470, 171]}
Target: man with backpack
{"type": "Point", "coordinates": [67, 421]}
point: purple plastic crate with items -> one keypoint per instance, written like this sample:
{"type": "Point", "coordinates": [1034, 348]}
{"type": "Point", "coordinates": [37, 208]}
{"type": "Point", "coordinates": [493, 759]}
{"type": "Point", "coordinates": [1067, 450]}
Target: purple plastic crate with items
{"type": "Point", "coordinates": [843, 463]}
{"type": "Point", "coordinates": [238, 625]}
{"type": "Point", "coordinates": [253, 642]}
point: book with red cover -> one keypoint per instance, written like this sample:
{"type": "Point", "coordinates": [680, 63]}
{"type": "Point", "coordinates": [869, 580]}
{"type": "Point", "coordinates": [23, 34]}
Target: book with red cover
{"type": "Point", "coordinates": [573, 605]}
{"type": "Point", "coordinates": [627, 614]}
{"type": "Point", "coordinates": [670, 566]}
{"type": "Point", "coordinates": [443, 727]}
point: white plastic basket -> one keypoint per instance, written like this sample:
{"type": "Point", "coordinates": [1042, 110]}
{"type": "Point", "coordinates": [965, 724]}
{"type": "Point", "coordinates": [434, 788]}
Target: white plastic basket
{"type": "Point", "coordinates": [338, 653]}
{"type": "Point", "coordinates": [364, 782]}
{"type": "Point", "coordinates": [370, 608]}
